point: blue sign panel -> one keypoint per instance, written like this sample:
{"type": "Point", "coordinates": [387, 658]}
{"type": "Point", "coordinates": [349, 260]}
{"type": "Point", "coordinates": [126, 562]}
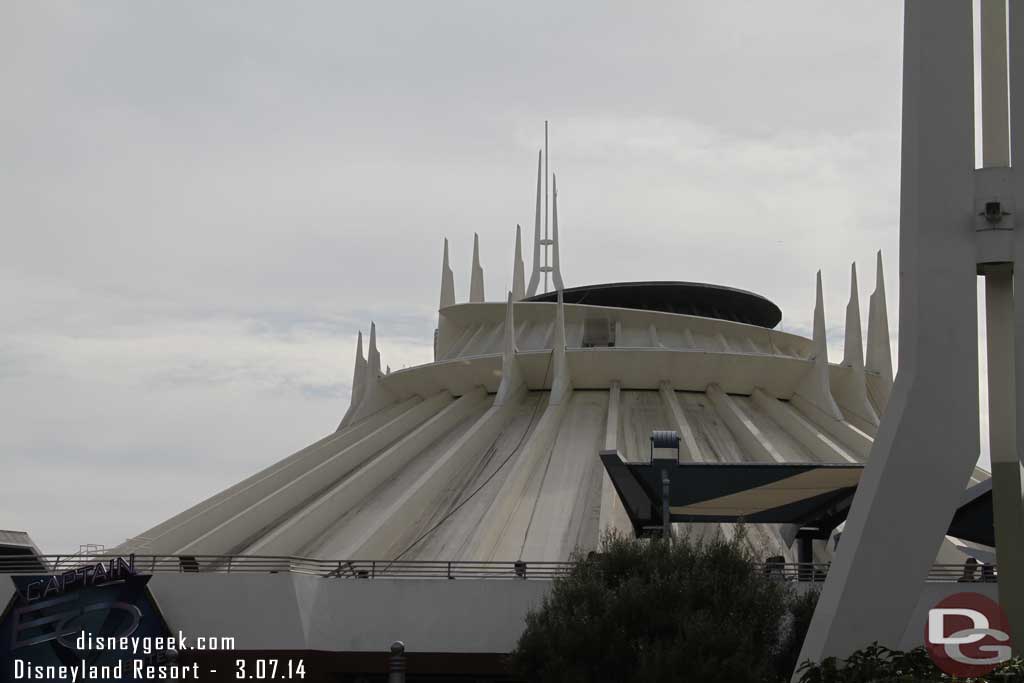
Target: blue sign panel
{"type": "Point", "coordinates": [91, 618]}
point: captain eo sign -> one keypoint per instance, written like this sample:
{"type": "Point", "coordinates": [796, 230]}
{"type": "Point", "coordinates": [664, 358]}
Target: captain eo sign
{"type": "Point", "coordinates": [48, 615]}
{"type": "Point", "coordinates": [52, 608]}
{"type": "Point", "coordinates": [967, 635]}
{"type": "Point", "coordinates": [97, 574]}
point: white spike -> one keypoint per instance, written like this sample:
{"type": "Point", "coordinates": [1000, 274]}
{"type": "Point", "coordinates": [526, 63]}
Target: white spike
{"type": "Point", "coordinates": [851, 388]}
{"type": "Point", "coordinates": [853, 349]}
{"type": "Point", "coordinates": [518, 268]}
{"type": "Point", "coordinates": [476, 283]}
{"type": "Point", "coordinates": [814, 387]}
{"type": "Point", "coordinates": [531, 289]}
{"type": "Point", "coordinates": [358, 383]}
{"type": "Point", "coordinates": [879, 355]}
{"type": "Point", "coordinates": [556, 269]}
{"type": "Point", "coordinates": [375, 395]}
{"type": "Point", "coordinates": [373, 356]}
{"type": "Point", "coordinates": [512, 379]}
{"type": "Point", "coordinates": [561, 384]}
{"type": "Point", "coordinates": [447, 280]}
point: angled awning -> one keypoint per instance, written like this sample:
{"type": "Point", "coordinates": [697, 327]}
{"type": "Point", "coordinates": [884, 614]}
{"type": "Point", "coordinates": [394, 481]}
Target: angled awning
{"type": "Point", "coordinates": [785, 493]}
{"type": "Point", "coordinates": [814, 496]}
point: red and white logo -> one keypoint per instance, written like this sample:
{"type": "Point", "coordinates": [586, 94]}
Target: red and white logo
{"type": "Point", "coordinates": [967, 635]}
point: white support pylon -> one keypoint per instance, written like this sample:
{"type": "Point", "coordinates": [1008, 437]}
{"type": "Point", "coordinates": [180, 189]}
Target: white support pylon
{"type": "Point", "coordinates": [879, 352]}
{"type": "Point", "coordinates": [852, 389]}
{"type": "Point", "coordinates": [531, 289]}
{"type": "Point", "coordinates": [476, 282]}
{"type": "Point", "coordinates": [927, 443]}
{"type": "Point", "coordinates": [561, 381]}
{"type": "Point", "coordinates": [358, 383]}
{"type": "Point", "coordinates": [815, 387]}
{"type": "Point", "coordinates": [512, 379]}
{"type": "Point", "coordinates": [518, 269]}
{"type": "Point", "coordinates": [556, 268]}
{"type": "Point", "coordinates": [447, 281]}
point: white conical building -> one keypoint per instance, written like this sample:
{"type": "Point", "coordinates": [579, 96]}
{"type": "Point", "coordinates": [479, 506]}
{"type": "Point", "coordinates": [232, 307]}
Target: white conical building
{"type": "Point", "coordinates": [490, 452]}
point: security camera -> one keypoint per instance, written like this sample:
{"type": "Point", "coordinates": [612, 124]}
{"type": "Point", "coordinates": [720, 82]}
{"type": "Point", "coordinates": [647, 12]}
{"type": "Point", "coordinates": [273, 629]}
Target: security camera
{"type": "Point", "coordinates": [994, 212]}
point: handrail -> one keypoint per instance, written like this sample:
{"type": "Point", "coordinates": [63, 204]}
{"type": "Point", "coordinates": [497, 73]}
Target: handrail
{"type": "Point", "coordinates": [412, 569]}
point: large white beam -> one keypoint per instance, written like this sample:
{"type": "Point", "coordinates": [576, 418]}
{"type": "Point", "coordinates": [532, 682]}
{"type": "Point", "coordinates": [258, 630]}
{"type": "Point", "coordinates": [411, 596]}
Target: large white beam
{"type": "Point", "coordinates": [689, 450]}
{"type": "Point", "coordinates": [928, 439]}
{"type": "Point", "coordinates": [242, 528]}
{"type": "Point", "coordinates": [200, 518]}
{"type": "Point", "coordinates": [307, 524]}
{"type": "Point", "coordinates": [748, 435]}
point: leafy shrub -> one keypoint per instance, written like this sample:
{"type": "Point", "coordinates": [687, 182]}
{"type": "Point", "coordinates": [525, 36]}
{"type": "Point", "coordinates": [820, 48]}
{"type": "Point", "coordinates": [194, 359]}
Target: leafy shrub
{"type": "Point", "coordinates": [652, 611]}
{"type": "Point", "coordinates": [879, 663]}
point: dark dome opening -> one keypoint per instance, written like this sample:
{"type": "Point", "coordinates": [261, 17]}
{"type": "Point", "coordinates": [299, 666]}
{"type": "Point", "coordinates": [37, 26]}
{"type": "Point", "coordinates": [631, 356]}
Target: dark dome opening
{"type": "Point", "coordinates": [690, 298]}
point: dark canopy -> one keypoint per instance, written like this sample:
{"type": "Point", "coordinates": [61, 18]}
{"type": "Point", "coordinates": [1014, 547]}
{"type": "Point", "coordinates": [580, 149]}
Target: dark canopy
{"type": "Point", "coordinates": [691, 298]}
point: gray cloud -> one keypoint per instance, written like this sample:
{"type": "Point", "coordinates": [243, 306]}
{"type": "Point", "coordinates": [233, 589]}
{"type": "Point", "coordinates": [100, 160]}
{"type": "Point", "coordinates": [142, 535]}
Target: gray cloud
{"type": "Point", "coordinates": [203, 203]}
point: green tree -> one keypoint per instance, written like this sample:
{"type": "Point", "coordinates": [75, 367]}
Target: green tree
{"type": "Point", "coordinates": [652, 611]}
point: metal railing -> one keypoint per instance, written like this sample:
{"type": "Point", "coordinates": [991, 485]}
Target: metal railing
{"type": "Point", "coordinates": [816, 572]}
{"type": "Point", "coordinates": [409, 569]}
{"type": "Point", "coordinates": [261, 564]}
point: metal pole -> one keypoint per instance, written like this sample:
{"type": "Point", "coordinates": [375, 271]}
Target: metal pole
{"type": "Point", "coordinates": [396, 663]}
{"type": "Point", "coordinates": [666, 513]}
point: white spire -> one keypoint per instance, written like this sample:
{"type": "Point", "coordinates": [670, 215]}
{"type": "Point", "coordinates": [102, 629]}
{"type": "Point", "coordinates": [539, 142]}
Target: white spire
{"type": "Point", "coordinates": [556, 269]}
{"type": "Point", "coordinates": [531, 289]}
{"type": "Point", "coordinates": [375, 395]}
{"type": "Point", "coordinates": [851, 387]}
{"type": "Point", "coordinates": [561, 385]}
{"type": "Point", "coordinates": [853, 350]}
{"type": "Point", "coordinates": [476, 283]}
{"type": "Point", "coordinates": [447, 280]}
{"type": "Point", "coordinates": [358, 382]}
{"type": "Point", "coordinates": [518, 268]}
{"type": "Point", "coordinates": [373, 356]}
{"type": "Point", "coordinates": [512, 380]}
{"type": "Point", "coordinates": [879, 355]}
{"type": "Point", "coordinates": [815, 385]}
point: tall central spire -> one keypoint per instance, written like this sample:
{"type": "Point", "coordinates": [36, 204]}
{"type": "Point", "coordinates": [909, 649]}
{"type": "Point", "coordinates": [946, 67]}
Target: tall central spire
{"type": "Point", "coordinates": [549, 241]}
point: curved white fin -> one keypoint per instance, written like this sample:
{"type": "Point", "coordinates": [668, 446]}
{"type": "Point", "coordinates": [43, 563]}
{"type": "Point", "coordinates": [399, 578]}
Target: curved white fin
{"type": "Point", "coordinates": [561, 382]}
{"type": "Point", "coordinates": [512, 378]}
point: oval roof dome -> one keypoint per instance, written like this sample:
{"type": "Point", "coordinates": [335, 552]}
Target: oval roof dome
{"type": "Point", "coordinates": [689, 298]}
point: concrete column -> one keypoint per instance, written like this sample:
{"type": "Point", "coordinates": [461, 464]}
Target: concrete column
{"type": "Point", "coordinates": [1006, 475]}
{"type": "Point", "coordinates": [927, 442]}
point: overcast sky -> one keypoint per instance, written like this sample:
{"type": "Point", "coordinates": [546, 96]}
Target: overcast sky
{"type": "Point", "coordinates": [202, 203]}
